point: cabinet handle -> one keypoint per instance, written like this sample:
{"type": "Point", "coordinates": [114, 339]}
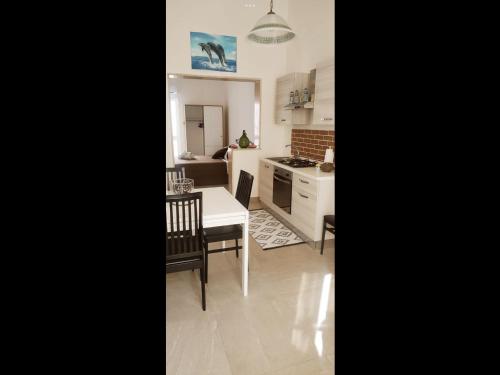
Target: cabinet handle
{"type": "Point", "coordinates": [283, 119]}
{"type": "Point", "coordinates": [305, 182]}
{"type": "Point", "coordinates": [267, 166]}
{"type": "Point", "coordinates": [326, 119]}
{"type": "Point", "coordinates": [303, 196]}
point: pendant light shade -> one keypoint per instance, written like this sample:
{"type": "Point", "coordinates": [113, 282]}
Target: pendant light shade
{"type": "Point", "coordinates": [271, 29]}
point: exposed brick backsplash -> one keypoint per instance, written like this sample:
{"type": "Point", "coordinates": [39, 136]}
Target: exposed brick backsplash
{"type": "Point", "coordinates": [312, 144]}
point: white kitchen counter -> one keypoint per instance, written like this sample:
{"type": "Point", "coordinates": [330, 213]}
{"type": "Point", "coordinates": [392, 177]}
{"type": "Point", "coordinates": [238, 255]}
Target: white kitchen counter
{"type": "Point", "coordinates": [306, 172]}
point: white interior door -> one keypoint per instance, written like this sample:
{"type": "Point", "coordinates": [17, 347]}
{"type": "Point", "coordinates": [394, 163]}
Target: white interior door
{"type": "Point", "coordinates": [212, 119]}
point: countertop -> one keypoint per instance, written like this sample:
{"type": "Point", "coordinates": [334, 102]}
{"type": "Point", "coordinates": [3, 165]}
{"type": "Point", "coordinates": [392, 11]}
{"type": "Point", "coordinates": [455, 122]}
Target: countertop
{"type": "Point", "coordinates": [309, 172]}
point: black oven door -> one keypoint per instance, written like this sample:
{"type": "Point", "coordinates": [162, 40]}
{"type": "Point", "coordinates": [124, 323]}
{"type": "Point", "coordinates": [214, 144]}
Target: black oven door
{"type": "Point", "coordinates": [282, 193]}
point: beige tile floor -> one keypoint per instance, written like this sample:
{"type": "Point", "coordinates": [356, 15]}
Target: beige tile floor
{"type": "Point", "coordinates": [284, 326]}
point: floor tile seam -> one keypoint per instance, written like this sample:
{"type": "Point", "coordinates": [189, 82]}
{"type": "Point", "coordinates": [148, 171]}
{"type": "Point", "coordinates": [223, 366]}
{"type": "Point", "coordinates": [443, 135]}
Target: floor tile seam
{"type": "Point", "coordinates": [288, 366]}
{"type": "Point", "coordinates": [217, 330]}
{"type": "Point", "coordinates": [257, 336]}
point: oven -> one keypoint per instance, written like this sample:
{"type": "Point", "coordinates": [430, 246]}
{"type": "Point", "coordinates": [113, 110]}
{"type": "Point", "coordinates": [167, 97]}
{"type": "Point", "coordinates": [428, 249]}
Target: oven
{"type": "Point", "coordinates": [282, 189]}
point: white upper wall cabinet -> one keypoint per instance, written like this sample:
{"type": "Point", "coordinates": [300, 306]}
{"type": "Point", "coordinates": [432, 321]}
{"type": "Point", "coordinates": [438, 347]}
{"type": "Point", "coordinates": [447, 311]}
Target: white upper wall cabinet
{"type": "Point", "coordinates": [324, 96]}
{"type": "Point", "coordinates": [284, 85]}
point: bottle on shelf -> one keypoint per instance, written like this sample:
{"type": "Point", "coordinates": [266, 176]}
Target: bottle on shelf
{"type": "Point", "coordinates": [296, 98]}
{"type": "Point", "coordinates": [305, 97]}
{"type": "Point", "coordinates": [291, 98]}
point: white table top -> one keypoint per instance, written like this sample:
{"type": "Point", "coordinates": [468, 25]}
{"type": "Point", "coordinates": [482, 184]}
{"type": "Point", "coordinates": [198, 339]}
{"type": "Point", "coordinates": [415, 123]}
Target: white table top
{"type": "Point", "coordinates": [220, 207]}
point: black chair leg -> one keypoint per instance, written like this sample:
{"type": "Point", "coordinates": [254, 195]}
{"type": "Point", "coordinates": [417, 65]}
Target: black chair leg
{"type": "Point", "coordinates": [236, 247]}
{"type": "Point", "coordinates": [202, 277]}
{"type": "Point", "coordinates": [323, 238]}
{"type": "Point", "coordinates": [206, 262]}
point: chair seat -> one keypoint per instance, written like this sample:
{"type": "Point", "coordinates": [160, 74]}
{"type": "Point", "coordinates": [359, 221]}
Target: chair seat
{"type": "Point", "coordinates": [330, 219]}
{"type": "Point", "coordinates": [227, 232]}
{"type": "Point", "coordinates": [183, 246]}
{"type": "Point", "coordinates": [184, 265]}
{"type": "Point", "coordinates": [179, 258]}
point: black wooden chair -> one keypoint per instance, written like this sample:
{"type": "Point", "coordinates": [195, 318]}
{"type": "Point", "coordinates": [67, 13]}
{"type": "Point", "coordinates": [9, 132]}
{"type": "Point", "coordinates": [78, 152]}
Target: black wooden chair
{"type": "Point", "coordinates": [185, 249]}
{"type": "Point", "coordinates": [229, 232]}
{"type": "Point", "coordinates": [174, 173]}
{"type": "Point", "coordinates": [330, 220]}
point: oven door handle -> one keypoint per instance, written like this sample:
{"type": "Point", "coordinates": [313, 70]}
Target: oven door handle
{"type": "Point", "coordinates": [280, 179]}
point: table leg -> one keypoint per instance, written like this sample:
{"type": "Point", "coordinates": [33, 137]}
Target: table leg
{"type": "Point", "coordinates": [244, 263]}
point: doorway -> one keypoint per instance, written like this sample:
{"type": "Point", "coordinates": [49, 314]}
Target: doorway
{"type": "Point", "coordinates": [239, 99]}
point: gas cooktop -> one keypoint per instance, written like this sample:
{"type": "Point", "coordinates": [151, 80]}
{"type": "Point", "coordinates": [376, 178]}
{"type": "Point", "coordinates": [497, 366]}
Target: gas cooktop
{"type": "Point", "coordinates": [295, 163]}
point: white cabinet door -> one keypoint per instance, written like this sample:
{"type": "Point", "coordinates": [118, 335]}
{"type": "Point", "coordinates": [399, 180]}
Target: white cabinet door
{"type": "Point", "coordinates": [306, 184]}
{"type": "Point", "coordinates": [266, 171]}
{"type": "Point", "coordinates": [283, 87]}
{"type": "Point", "coordinates": [212, 118]}
{"type": "Point", "coordinates": [304, 210]}
{"type": "Point", "coordinates": [311, 200]}
{"type": "Point", "coordinates": [195, 137]}
{"type": "Point", "coordinates": [324, 96]}
{"type": "Point", "coordinates": [194, 113]}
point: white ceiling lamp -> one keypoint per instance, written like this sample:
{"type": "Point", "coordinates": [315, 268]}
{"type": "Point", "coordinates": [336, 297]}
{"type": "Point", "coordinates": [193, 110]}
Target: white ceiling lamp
{"type": "Point", "coordinates": [271, 29]}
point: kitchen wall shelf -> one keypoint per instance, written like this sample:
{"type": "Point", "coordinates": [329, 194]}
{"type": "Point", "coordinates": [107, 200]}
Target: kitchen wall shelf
{"type": "Point", "coordinates": [305, 105]}
{"type": "Point", "coordinates": [286, 113]}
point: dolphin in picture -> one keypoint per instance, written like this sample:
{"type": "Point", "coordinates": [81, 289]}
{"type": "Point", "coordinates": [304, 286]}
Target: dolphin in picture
{"type": "Point", "coordinates": [205, 47]}
{"type": "Point", "coordinates": [217, 48]}
{"type": "Point", "coordinates": [219, 51]}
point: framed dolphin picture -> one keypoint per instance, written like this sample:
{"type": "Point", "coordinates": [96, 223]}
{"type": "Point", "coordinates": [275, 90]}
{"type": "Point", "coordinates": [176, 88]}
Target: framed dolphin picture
{"type": "Point", "coordinates": [213, 52]}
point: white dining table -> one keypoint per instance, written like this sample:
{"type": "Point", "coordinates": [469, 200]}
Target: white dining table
{"type": "Point", "coordinates": [221, 208]}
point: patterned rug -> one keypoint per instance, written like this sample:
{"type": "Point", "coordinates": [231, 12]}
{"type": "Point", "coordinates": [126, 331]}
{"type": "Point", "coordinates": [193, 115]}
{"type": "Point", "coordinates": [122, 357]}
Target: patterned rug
{"type": "Point", "coordinates": [269, 232]}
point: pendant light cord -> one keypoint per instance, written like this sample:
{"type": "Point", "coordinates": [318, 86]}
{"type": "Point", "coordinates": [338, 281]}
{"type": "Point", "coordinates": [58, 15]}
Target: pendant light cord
{"type": "Point", "coordinates": [271, 11]}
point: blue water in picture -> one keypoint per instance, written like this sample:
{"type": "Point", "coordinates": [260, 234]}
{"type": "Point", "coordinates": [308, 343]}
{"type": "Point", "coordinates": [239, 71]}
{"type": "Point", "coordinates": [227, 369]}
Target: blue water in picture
{"type": "Point", "coordinates": [202, 62]}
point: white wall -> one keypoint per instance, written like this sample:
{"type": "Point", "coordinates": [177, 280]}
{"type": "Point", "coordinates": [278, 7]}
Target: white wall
{"type": "Point", "coordinates": [244, 159]}
{"type": "Point", "coordinates": [313, 23]}
{"type": "Point", "coordinates": [241, 109]}
{"type": "Point", "coordinates": [201, 92]}
{"type": "Point", "coordinates": [169, 148]}
{"type": "Point", "coordinates": [231, 17]}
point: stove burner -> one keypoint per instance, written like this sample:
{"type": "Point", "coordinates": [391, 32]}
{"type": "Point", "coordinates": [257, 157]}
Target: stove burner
{"type": "Point", "coordinates": [297, 163]}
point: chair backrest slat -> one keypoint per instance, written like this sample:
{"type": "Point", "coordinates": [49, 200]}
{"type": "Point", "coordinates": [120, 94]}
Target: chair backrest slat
{"type": "Point", "coordinates": [244, 189]}
{"type": "Point", "coordinates": [178, 226]}
{"type": "Point", "coordinates": [186, 234]}
{"type": "Point", "coordinates": [184, 237]}
{"type": "Point", "coordinates": [199, 244]}
{"type": "Point", "coordinates": [172, 226]}
{"type": "Point", "coordinates": [196, 214]}
{"type": "Point", "coordinates": [190, 226]}
{"type": "Point", "coordinates": [174, 173]}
